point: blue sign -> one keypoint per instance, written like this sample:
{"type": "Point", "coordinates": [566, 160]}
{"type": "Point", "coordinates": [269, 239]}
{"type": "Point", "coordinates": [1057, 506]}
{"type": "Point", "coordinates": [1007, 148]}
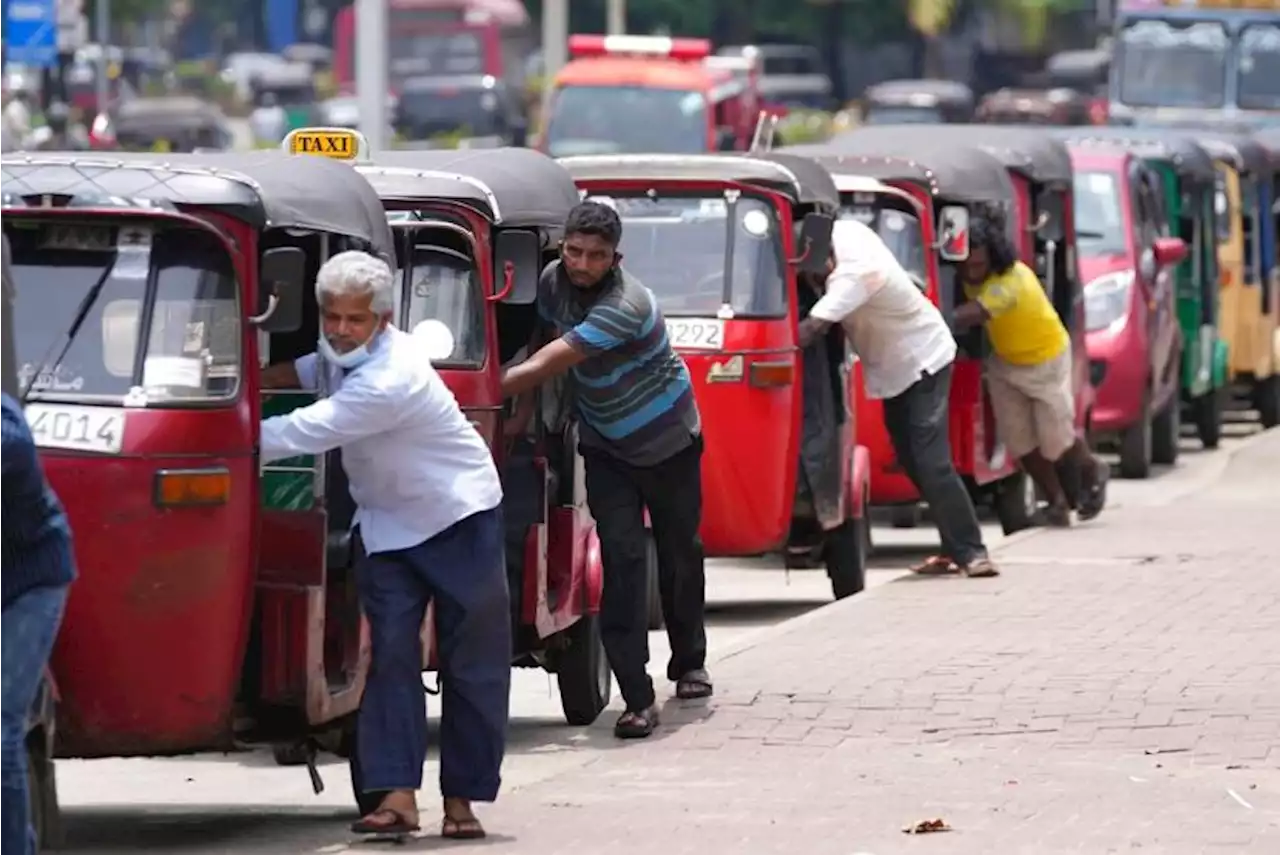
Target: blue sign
{"type": "Point", "coordinates": [31, 32]}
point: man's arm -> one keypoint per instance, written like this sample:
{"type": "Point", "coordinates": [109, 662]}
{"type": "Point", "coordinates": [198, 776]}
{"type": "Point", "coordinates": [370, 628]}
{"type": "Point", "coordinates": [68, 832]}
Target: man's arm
{"type": "Point", "coordinates": [606, 327]}
{"type": "Point", "coordinates": [355, 411]}
{"type": "Point", "coordinates": [992, 301]}
{"type": "Point", "coordinates": [298, 374]}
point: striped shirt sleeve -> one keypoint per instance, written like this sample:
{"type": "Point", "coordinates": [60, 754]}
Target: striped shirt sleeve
{"type": "Point", "coordinates": [609, 325]}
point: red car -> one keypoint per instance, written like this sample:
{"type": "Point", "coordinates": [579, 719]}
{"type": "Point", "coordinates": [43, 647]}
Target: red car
{"type": "Point", "coordinates": [1134, 342]}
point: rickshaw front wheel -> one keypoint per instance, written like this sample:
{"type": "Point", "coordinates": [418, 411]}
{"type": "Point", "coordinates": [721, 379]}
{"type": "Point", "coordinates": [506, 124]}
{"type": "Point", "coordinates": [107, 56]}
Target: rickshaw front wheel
{"type": "Point", "coordinates": [846, 552]}
{"type": "Point", "coordinates": [657, 620]}
{"type": "Point", "coordinates": [582, 673]}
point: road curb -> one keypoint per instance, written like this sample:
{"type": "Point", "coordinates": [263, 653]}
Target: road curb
{"type": "Point", "coordinates": [1215, 467]}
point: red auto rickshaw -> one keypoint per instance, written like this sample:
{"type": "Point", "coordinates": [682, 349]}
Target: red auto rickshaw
{"type": "Point", "coordinates": [719, 240]}
{"type": "Point", "coordinates": [158, 286]}
{"type": "Point", "coordinates": [917, 195]}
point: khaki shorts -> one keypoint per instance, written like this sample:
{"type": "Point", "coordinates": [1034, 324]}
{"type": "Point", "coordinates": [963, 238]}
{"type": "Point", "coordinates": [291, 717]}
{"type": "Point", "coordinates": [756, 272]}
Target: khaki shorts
{"type": "Point", "coordinates": [1034, 405]}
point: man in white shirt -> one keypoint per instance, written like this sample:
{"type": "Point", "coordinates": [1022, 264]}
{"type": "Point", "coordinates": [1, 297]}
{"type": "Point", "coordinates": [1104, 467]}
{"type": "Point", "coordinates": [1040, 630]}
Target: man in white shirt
{"type": "Point", "coordinates": [906, 350]}
{"type": "Point", "coordinates": [429, 514]}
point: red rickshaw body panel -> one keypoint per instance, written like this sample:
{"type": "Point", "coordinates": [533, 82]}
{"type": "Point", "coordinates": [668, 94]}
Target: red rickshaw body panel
{"type": "Point", "coordinates": [150, 652]}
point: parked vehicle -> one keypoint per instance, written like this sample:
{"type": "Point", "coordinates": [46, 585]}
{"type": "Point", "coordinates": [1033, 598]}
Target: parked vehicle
{"type": "Point", "coordinates": [173, 123]}
{"type": "Point", "coordinates": [897, 102]}
{"type": "Point", "coordinates": [1128, 261]}
{"type": "Point", "coordinates": [1059, 106]}
{"type": "Point", "coordinates": [216, 602]}
{"type": "Point", "coordinates": [720, 240]}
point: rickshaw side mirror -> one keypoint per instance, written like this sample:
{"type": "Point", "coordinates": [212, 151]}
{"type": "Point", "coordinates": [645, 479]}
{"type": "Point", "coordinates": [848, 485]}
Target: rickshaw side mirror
{"type": "Point", "coordinates": [814, 247]}
{"type": "Point", "coordinates": [953, 233]}
{"type": "Point", "coordinates": [280, 289]}
{"type": "Point", "coordinates": [520, 253]}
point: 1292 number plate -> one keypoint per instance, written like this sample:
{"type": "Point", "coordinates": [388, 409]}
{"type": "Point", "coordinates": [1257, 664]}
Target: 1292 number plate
{"type": "Point", "coordinates": [96, 429]}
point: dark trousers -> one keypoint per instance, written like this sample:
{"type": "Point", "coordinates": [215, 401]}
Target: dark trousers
{"type": "Point", "coordinates": [917, 424]}
{"type": "Point", "coordinates": [30, 625]}
{"type": "Point", "coordinates": [462, 571]}
{"type": "Point", "coordinates": [618, 494]}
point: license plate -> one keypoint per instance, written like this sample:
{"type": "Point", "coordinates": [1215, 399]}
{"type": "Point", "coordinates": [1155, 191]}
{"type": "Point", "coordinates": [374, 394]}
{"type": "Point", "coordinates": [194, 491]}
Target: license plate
{"type": "Point", "coordinates": [696, 333]}
{"type": "Point", "coordinates": [97, 429]}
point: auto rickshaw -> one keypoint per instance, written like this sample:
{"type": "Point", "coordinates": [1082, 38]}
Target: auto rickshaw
{"type": "Point", "coordinates": [899, 102]}
{"type": "Point", "coordinates": [1247, 259]}
{"type": "Point", "coordinates": [172, 123]}
{"type": "Point", "coordinates": [215, 604]}
{"type": "Point", "coordinates": [719, 240]}
{"type": "Point", "coordinates": [942, 183]}
{"type": "Point", "coordinates": [473, 230]}
{"type": "Point", "coordinates": [1084, 71]}
{"type": "Point", "coordinates": [1058, 106]}
{"type": "Point", "coordinates": [1189, 180]}
{"type": "Point", "coordinates": [284, 99]}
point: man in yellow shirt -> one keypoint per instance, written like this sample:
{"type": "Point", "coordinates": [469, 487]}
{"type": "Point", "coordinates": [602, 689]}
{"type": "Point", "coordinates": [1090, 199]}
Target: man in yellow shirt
{"type": "Point", "coordinates": [1030, 369]}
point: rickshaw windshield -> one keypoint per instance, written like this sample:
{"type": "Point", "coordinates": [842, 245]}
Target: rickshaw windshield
{"type": "Point", "coordinates": [904, 115]}
{"type": "Point", "coordinates": [444, 297]}
{"type": "Point", "coordinates": [626, 119]}
{"type": "Point", "coordinates": [678, 247]}
{"type": "Point", "coordinates": [175, 287]}
{"type": "Point", "coordinates": [1259, 67]}
{"type": "Point", "coordinates": [900, 231]}
{"type": "Point", "coordinates": [1163, 64]}
{"type": "Point", "coordinates": [1100, 227]}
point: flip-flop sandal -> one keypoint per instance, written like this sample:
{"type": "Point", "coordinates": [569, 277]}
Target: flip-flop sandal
{"type": "Point", "coordinates": [694, 685]}
{"type": "Point", "coordinates": [400, 823]}
{"type": "Point", "coordinates": [636, 725]}
{"type": "Point", "coordinates": [461, 829]}
{"type": "Point", "coordinates": [938, 565]}
{"type": "Point", "coordinates": [1095, 493]}
{"type": "Point", "coordinates": [981, 568]}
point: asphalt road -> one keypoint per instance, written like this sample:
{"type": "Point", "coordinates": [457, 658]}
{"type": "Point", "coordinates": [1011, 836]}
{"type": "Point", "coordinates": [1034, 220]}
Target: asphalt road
{"type": "Point", "coordinates": [244, 803]}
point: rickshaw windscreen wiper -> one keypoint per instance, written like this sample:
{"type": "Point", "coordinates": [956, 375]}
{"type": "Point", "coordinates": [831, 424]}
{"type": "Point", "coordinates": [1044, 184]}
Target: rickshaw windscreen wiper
{"type": "Point", "coordinates": [82, 312]}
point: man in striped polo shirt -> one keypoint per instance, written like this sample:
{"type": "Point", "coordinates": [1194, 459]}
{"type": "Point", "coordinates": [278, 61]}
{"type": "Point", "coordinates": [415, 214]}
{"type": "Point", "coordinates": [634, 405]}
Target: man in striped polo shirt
{"type": "Point", "coordinates": [641, 440]}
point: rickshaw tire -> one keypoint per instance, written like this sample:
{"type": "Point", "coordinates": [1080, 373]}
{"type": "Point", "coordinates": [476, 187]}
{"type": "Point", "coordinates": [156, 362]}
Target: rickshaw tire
{"type": "Point", "coordinates": [1011, 505]}
{"type": "Point", "coordinates": [1208, 411]}
{"type": "Point", "coordinates": [657, 620]}
{"type": "Point", "coordinates": [846, 552]}
{"type": "Point", "coordinates": [582, 673]}
{"type": "Point", "coordinates": [1165, 433]}
{"type": "Point", "coordinates": [1137, 444]}
{"type": "Point", "coordinates": [1268, 401]}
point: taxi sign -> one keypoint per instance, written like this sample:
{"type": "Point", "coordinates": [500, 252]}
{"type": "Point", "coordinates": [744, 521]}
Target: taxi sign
{"type": "Point", "coordinates": [334, 143]}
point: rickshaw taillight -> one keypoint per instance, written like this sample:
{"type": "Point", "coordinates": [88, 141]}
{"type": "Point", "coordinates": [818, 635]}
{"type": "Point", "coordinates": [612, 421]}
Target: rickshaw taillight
{"type": "Point", "coordinates": [188, 487]}
{"type": "Point", "coordinates": [771, 375]}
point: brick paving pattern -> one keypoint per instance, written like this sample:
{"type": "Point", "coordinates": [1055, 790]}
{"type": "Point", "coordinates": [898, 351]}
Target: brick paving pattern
{"type": "Point", "coordinates": [1116, 690]}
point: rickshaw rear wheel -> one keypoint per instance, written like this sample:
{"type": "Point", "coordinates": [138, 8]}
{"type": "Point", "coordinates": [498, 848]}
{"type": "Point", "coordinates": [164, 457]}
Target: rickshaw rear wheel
{"type": "Point", "coordinates": [1166, 431]}
{"type": "Point", "coordinates": [1267, 400]}
{"type": "Point", "coordinates": [1208, 412]}
{"type": "Point", "coordinates": [582, 673]}
{"type": "Point", "coordinates": [1136, 444]}
{"type": "Point", "coordinates": [846, 551]}
{"type": "Point", "coordinates": [1015, 503]}
{"type": "Point", "coordinates": [653, 585]}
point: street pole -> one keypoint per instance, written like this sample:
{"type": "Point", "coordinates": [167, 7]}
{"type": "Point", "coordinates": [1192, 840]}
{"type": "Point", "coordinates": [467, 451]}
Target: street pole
{"type": "Point", "coordinates": [555, 48]}
{"type": "Point", "coordinates": [371, 71]}
{"type": "Point", "coordinates": [102, 31]}
{"type": "Point", "coordinates": [617, 17]}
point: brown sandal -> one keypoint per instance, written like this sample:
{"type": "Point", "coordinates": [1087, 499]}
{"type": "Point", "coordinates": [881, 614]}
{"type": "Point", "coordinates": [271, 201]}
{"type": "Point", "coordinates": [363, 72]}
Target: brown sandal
{"type": "Point", "coordinates": [461, 829]}
{"type": "Point", "coordinates": [400, 823]}
{"type": "Point", "coordinates": [938, 565]}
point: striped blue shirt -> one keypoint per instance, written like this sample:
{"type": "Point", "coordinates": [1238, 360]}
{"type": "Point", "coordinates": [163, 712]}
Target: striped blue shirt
{"type": "Point", "coordinates": [633, 395]}
{"type": "Point", "coordinates": [36, 537]}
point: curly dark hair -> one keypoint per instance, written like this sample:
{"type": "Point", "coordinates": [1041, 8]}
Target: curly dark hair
{"type": "Point", "coordinates": [989, 228]}
{"type": "Point", "coordinates": [594, 218]}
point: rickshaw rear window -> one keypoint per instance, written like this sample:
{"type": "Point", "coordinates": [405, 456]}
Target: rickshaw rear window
{"type": "Point", "coordinates": [192, 327]}
{"type": "Point", "coordinates": [444, 303]}
{"type": "Point", "coordinates": [677, 246]}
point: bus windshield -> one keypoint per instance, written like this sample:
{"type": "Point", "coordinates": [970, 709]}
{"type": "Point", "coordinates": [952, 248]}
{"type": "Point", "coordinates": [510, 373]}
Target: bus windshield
{"type": "Point", "coordinates": [1170, 64]}
{"type": "Point", "coordinates": [677, 247]}
{"type": "Point", "coordinates": [175, 287]}
{"type": "Point", "coordinates": [626, 119]}
{"type": "Point", "coordinates": [1259, 67]}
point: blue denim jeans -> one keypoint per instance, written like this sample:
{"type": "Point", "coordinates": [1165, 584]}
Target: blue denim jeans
{"type": "Point", "coordinates": [28, 628]}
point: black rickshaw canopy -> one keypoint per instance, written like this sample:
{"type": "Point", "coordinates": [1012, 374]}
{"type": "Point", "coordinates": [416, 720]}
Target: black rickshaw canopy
{"type": "Point", "coordinates": [515, 187]}
{"type": "Point", "coordinates": [801, 179]}
{"type": "Point", "coordinates": [266, 189]}
{"type": "Point", "coordinates": [1030, 151]}
{"type": "Point", "coordinates": [965, 173]}
{"type": "Point", "coordinates": [1242, 152]}
{"type": "Point", "coordinates": [1179, 149]}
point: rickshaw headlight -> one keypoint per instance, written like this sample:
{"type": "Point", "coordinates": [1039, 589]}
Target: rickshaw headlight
{"type": "Point", "coordinates": [192, 487]}
{"type": "Point", "coordinates": [1106, 300]}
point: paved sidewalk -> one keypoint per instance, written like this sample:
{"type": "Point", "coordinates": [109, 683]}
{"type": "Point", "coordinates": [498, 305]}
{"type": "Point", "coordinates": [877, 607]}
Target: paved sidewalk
{"type": "Point", "coordinates": [1116, 690]}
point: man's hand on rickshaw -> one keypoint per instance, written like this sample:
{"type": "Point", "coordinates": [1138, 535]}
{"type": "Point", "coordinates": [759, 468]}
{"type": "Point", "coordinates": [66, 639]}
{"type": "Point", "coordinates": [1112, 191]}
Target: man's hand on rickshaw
{"type": "Point", "coordinates": [810, 329]}
{"type": "Point", "coordinates": [281, 376]}
{"type": "Point", "coordinates": [970, 314]}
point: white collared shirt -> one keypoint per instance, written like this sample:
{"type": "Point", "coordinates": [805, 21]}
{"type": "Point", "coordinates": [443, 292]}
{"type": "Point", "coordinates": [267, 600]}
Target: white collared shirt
{"type": "Point", "coordinates": [896, 331]}
{"type": "Point", "coordinates": [415, 463]}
